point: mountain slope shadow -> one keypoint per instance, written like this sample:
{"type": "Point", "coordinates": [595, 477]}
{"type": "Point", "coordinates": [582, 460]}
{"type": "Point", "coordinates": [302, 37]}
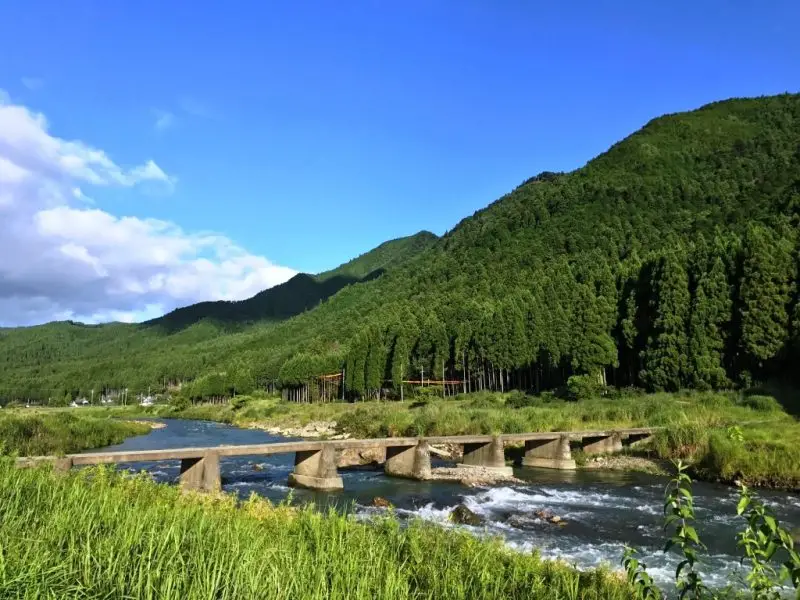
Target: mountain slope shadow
{"type": "Point", "coordinates": [301, 293]}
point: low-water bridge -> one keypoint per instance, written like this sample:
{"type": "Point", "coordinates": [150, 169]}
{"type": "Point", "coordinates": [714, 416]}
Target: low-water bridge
{"type": "Point", "coordinates": [315, 460]}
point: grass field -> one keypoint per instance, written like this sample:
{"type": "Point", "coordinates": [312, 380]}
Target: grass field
{"type": "Point", "coordinates": [98, 534]}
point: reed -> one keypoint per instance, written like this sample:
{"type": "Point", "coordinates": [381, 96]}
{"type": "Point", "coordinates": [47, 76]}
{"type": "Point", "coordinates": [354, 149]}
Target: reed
{"type": "Point", "coordinates": [38, 434]}
{"type": "Point", "coordinates": [97, 533]}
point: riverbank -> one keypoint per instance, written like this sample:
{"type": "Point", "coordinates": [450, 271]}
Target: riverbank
{"type": "Point", "coordinates": [41, 433]}
{"type": "Point", "coordinates": [99, 534]}
{"type": "Point", "coordinates": [727, 437]}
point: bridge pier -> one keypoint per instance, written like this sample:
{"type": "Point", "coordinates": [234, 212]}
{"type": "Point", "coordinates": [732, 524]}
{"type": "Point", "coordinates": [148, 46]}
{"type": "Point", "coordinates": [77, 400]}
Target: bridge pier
{"type": "Point", "coordinates": [606, 444]}
{"type": "Point", "coordinates": [316, 470]}
{"type": "Point", "coordinates": [487, 455]}
{"type": "Point", "coordinates": [412, 462]}
{"type": "Point", "coordinates": [550, 454]}
{"type": "Point", "coordinates": [201, 473]}
{"type": "Point", "coordinates": [637, 438]}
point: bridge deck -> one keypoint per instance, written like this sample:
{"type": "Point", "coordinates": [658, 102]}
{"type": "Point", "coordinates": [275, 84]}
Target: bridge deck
{"type": "Point", "coordinates": [93, 458]}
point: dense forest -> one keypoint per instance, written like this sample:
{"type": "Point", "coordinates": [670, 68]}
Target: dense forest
{"type": "Point", "coordinates": [669, 261]}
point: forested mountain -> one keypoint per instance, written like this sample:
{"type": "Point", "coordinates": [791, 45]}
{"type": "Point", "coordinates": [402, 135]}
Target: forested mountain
{"type": "Point", "coordinates": [671, 260]}
{"type": "Point", "coordinates": [302, 292]}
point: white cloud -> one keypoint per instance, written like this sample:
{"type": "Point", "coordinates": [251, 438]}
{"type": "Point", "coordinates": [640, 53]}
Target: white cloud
{"type": "Point", "coordinates": [61, 257]}
{"type": "Point", "coordinates": [164, 119]}
{"type": "Point", "coordinates": [33, 83]}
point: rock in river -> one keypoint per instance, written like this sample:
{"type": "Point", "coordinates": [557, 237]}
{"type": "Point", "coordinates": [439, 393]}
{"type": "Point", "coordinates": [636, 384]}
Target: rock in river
{"type": "Point", "coordinates": [464, 516]}
{"type": "Point", "coordinates": [380, 502]}
{"type": "Point", "coordinates": [353, 457]}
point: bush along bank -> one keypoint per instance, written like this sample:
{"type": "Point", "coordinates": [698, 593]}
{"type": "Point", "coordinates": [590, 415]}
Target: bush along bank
{"type": "Point", "coordinates": [40, 434]}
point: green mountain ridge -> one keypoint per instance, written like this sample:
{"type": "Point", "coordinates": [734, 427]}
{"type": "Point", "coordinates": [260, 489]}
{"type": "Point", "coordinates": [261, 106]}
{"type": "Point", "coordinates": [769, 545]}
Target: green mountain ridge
{"type": "Point", "coordinates": [300, 293]}
{"type": "Point", "coordinates": [670, 260]}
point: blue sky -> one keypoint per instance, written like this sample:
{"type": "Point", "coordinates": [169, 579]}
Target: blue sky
{"type": "Point", "coordinates": [310, 132]}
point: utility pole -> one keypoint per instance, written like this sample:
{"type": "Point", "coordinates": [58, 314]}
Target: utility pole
{"type": "Point", "coordinates": [342, 384]}
{"type": "Point", "coordinates": [92, 400]}
{"type": "Point", "coordinates": [422, 376]}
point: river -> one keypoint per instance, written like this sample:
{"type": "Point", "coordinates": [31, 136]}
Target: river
{"type": "Point", "coordinates": [604, 511]}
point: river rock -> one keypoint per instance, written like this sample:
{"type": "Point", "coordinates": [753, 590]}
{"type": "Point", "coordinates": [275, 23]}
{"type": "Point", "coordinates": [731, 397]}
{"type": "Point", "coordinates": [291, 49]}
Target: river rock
{"type": "Point", "coordinates": [257, 467]}
{"type": "Point", "coordinates": [472, 477]}
{"type": "Point", "coordinates": [380, 502]}
{"type": "Point", "coordinates": [522, 521]}
{"type": "Point", "coordinates": [464, 516]}
{"type": "Point", "coordinates": [356, 457]}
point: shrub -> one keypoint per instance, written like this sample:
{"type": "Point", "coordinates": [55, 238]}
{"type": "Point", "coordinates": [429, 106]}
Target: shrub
{"type": "Point", "coordinates": [583, 387]}
{"type": "Point", "coordinates": [360, 423]}
{"type": "Point", "coordinates": [432, 391]}
{"type": "Point", "coordinates": [683, 440]}
{"type": "Point", "coordinates": [761, 403]}
{"type": "Point", "coordinates": [714, 400]}
{"type": "Point", "coordinates": [519, 399]}
{"type": "Point", "coordinates": [179, 402]}
{"type": "Point", "coordinates": [485, 400]}
{"type": "Point", "coordinates": [239, 402]}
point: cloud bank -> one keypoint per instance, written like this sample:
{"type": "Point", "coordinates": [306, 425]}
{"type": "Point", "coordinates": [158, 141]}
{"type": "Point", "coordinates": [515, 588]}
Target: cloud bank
{"type": "Point", "coordinates": [63, 258]}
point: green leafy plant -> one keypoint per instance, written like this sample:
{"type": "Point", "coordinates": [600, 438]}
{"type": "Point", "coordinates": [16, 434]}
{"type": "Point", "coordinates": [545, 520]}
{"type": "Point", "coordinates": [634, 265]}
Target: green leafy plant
{"type": "Point", "coordinates": [679, 518]}
{"type": "Point", "coordinates": [637, 576]}
{"type": "Point", "coordinates": [762, 539]}
{"type": "Point", "coordinates": [735, 433]}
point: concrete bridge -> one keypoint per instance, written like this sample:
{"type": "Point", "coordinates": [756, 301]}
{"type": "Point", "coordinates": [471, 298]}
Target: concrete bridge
{"type": "Point", "coordinates": [315, 461]}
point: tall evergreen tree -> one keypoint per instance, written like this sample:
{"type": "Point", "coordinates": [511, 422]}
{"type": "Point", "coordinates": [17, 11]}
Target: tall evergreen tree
{"type": "Point", "coordinates": [764, 293]}
{"type": "Point", "coordinates": [594, 348]}
{"type": "Point", "coordinates": [664, 357]}
{"type": "Point", "coordinates": [708, 326]}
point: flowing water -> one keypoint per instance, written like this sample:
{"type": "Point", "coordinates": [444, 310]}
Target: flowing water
{"type": "Point", "coordinates": [604, 511]}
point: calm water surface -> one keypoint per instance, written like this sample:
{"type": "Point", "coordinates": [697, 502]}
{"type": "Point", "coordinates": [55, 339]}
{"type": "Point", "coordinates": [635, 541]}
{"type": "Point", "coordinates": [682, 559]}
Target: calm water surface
{"type": "Point", "coordinates": [604, 510]}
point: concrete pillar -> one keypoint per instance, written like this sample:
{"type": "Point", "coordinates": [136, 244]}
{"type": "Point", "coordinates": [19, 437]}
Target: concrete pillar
{"type": "Point", "coordinates": [201, 473]}
{"type": "Point", "coordinates": [551, 454]}
{"type": "Point", "coordinates": [412, 462]}
{"type": "Point", "coordinates": [62, 465]}
{"type": "Point", "coordinates": [488, 455]}
{"type": "Point", "coordinates": [603, 444]}
{"type": "Point", "coordinates": [212, 480]}
{"type": "Point", "coordinates": [316, 470]}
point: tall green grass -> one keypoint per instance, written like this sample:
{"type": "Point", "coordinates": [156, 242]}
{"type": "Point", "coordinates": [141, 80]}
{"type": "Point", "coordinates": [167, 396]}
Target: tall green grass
{"type": "Point", "coordinates": [99, 534]}
{"type": "Point", "coordinates": [38, 434]}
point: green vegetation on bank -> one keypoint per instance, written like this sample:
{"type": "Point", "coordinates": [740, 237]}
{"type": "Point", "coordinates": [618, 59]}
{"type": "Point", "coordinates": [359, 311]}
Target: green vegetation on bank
{"type": "Point", "coordinates": [726, 436]}
{"type": "Point", "coordinates": [39, 434]}
{"type": "Point", "coordinates": [99, 534]}
{"type": "Point", "coordinates": [669, 261]}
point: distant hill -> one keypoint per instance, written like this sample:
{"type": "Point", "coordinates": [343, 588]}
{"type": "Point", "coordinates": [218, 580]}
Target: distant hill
{"type": "Point", "coordinates": [302, 292]}
{"type": "Point", "coordinates": [669, 261]}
